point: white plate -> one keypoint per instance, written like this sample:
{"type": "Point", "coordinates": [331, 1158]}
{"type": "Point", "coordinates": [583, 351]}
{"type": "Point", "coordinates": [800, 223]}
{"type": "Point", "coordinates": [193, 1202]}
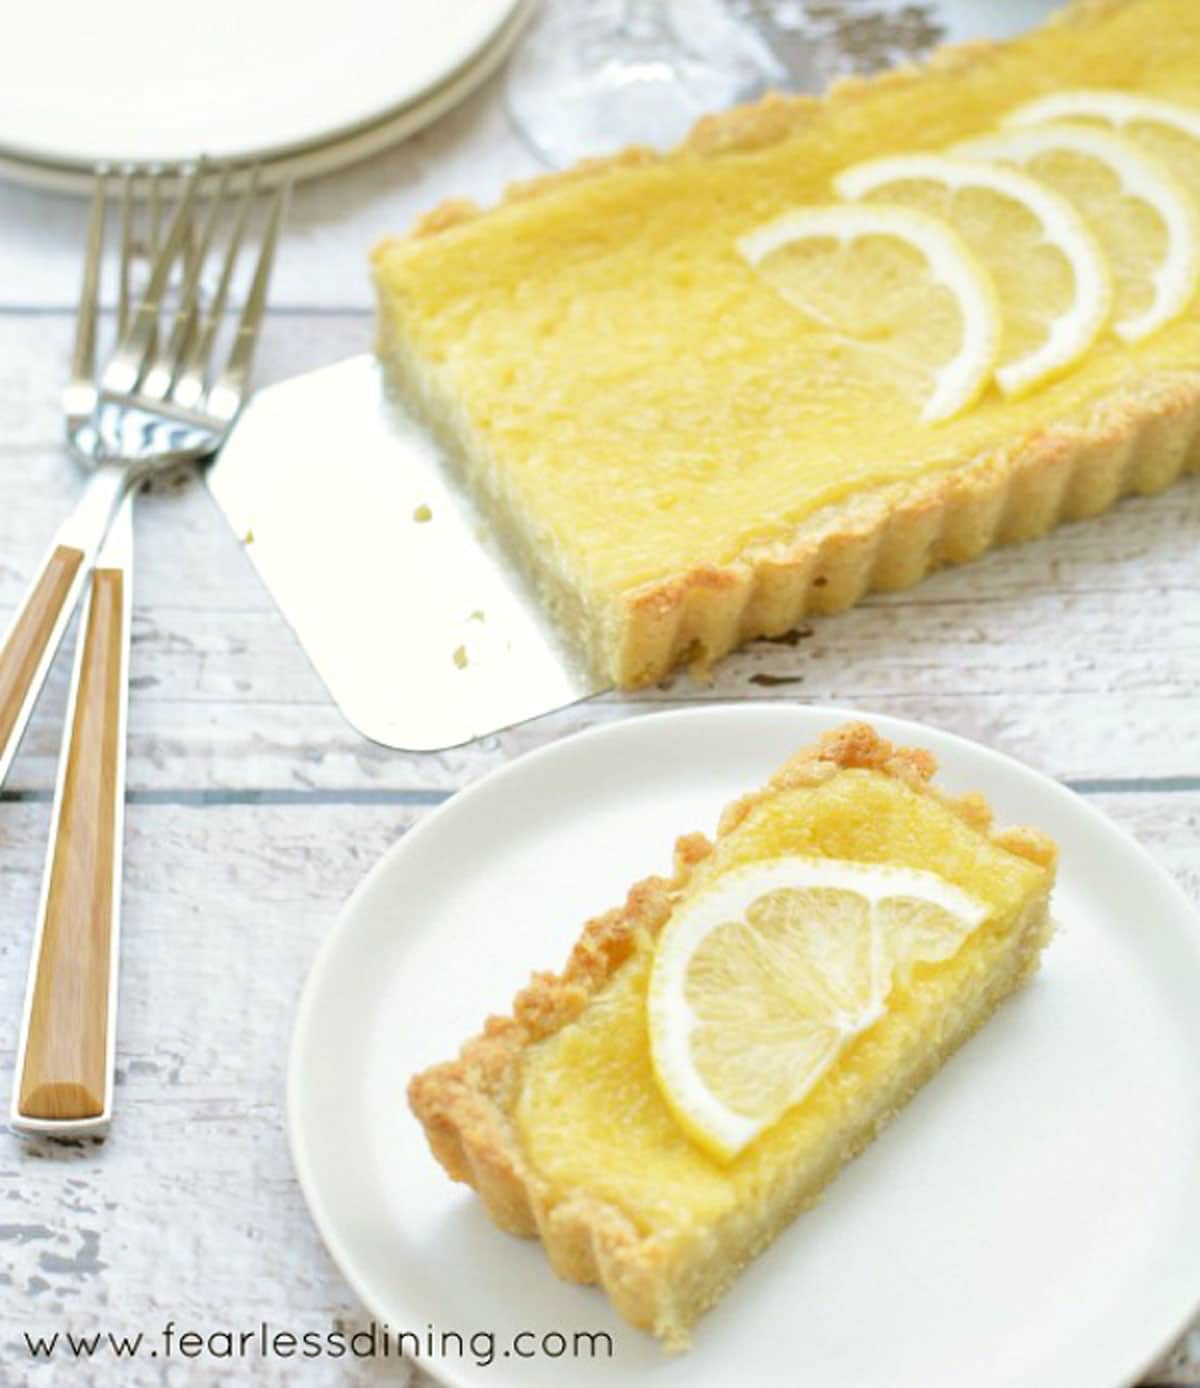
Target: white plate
{"type": "Point", "coordinates": [141, 81]}
{"type": "Point", "coordinates": [314, 160]}
{"type": "Point", "coordinates": [1032, 1218]}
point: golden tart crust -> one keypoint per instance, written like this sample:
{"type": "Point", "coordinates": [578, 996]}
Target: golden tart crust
{"type": "Point", "coordinates": [467, 1106]}
{"type": "Point", "coordinates": [1135, 440]}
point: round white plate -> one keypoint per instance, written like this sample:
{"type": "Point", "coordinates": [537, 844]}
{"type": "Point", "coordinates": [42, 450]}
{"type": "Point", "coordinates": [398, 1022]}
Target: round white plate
{"type": "Point", "coordinates": [317, 159]}
{"type": "Point", "coordinates": [144, 82]}
{"type": "Point", "coordinates": [1033, 1217]}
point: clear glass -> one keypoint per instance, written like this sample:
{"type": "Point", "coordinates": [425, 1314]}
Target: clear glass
{"type": "Point", "coordinates": [593, 76]}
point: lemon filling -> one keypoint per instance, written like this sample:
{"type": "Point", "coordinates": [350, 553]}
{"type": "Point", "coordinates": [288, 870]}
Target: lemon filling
{"type": "Point", "coordinates": [948, 917]}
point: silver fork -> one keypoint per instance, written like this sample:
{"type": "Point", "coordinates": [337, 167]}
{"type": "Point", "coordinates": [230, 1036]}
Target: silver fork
{"type": "Point", "coordinates": [153, 406]}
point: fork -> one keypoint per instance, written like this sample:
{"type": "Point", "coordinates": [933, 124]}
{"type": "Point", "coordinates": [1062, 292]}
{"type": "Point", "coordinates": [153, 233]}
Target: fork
{"type": "Point", "coordinates": [152, 407]}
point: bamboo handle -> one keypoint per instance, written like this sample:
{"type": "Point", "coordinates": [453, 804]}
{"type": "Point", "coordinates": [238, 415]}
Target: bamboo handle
{"type": "Point", "coordinates": [65, 1070]}
{"type": "Point", "coordinates": [31, 633]}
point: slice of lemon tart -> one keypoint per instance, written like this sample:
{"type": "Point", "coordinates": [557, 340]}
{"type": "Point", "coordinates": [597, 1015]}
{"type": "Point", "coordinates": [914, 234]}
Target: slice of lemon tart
{"type": "Point", "coordinates": [827, 345]}
{"type": "Point", "coordinates": [719, 1047]}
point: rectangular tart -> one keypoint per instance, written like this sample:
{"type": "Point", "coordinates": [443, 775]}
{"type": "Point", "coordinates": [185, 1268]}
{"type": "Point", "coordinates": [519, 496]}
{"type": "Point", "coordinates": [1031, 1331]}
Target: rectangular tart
{"type": "Point", "coordinates": [554, 1114]}
{"type": "Point", "coordinates": [676, 467]}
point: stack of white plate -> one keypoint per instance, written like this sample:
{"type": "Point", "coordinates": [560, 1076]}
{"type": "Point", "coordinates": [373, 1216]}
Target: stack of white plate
{"type": "Point", "coordinates": [303, 87]}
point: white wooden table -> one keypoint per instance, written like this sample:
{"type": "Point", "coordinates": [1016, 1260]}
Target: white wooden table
{"type": "Point", "coordinates": [254, 809]}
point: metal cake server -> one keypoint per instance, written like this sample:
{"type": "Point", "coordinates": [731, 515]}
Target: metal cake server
{"type": "Point", "coordinates": [425, 634]}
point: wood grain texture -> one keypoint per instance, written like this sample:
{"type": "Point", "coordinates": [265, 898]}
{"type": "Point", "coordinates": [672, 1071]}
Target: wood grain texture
{"type": "Point", "coordinates": [65, 1070]}
{"type": "Point", "coordinates": [190, 1210]}
{"type": "Point", "coordinates": [25, 647]}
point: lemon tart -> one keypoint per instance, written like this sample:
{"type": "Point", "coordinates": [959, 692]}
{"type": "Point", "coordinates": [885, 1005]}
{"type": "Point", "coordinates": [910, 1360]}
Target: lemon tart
{"type": "Point", "coordinates": [683, 459]}
{"type": "Point", "coordinates": [719, 1047]}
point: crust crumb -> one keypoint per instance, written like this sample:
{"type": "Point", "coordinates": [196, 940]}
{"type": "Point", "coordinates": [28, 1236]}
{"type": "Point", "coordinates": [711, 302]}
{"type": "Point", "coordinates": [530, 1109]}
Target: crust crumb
{"type": "Point", "coordinates": [450, 213]}
{"type": "Point", "coordinates": [766, 122]}
{"type": "Point", "coordinates": [1029, 843]}
{"type": "Point", "coordinates": [632, 157]}
{"type": "Point", "coordinates": [973, 808]}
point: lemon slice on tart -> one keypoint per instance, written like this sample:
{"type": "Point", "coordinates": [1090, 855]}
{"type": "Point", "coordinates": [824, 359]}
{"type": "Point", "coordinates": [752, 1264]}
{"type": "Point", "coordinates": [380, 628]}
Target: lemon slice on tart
{"type": "Point", "coordinates": [1053, 281]}
{"type": "Point", "coordinates": [1122, 109]}
{"type": "Point", "coordinates": [760, 982]}
{"type": "Point", "coordinates": [1169, 130]}
{"type": "Point", "coordinates": [895, 283]}
{"type": "Point", "coordinates": [1143, 216]}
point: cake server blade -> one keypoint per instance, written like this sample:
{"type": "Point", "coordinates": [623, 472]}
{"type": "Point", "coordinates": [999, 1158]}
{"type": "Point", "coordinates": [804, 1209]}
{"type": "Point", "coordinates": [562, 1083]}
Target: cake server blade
{"type": "Point", "coordinates": [423, 631]}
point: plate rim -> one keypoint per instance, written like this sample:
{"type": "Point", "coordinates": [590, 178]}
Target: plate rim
{"type": "Point", "coordinates": [890, 725]}
{"type": "Point", "coordinates": [322, 154]}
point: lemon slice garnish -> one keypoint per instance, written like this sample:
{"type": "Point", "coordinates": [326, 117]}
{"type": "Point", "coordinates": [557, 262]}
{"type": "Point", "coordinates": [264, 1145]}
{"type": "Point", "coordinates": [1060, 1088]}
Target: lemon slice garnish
{"type": "Point", "coordinates": [1142, 215]}
{"type": "Point", "coordinates": [761, 981]}
{"type": "Point", "coordinates": [894, 282]}
{"type": "Point", "coordinates": [1121, 109]}
{"type": "Point", "coordinates": [1054, 284]}
{"type": "Point", "coordinates": [1167, 130]}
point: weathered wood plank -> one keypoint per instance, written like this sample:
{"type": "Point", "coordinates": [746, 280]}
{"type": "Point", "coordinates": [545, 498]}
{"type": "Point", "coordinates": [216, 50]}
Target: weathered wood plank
{"type": "Point", "coordinates": [190, 1208]}
{"type": "Point", "coordinates": [246, 711]}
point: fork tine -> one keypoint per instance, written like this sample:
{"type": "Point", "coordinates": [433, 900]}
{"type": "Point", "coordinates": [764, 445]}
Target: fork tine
{"type": "Point", "coordinates": [132, 354]}
{"type": "Point", "coordinates": [154, 211]}
{"type": "Point", "coordinates": [126, 253]}
{"type": "Point", "coordinates": [199, 251]}
{"type": "Point", "coordinates": [230, 389]}
{"type": "Point", "coordinates": [83, 358]}
{"type": "Point", "coordinates": [190, 381]}
{"type": "Point", "coordinates": [167, 366]}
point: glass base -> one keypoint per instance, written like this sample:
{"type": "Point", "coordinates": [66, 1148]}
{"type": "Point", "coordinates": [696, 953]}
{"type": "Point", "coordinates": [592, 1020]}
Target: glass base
{"type": "Point", "coordinates": [592, 78]}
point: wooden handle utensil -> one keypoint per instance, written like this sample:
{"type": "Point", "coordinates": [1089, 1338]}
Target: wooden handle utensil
{"type": "Point", "coordinates": [28, 646]}
{"type": "Point", "coordinates": [65, 1056]}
